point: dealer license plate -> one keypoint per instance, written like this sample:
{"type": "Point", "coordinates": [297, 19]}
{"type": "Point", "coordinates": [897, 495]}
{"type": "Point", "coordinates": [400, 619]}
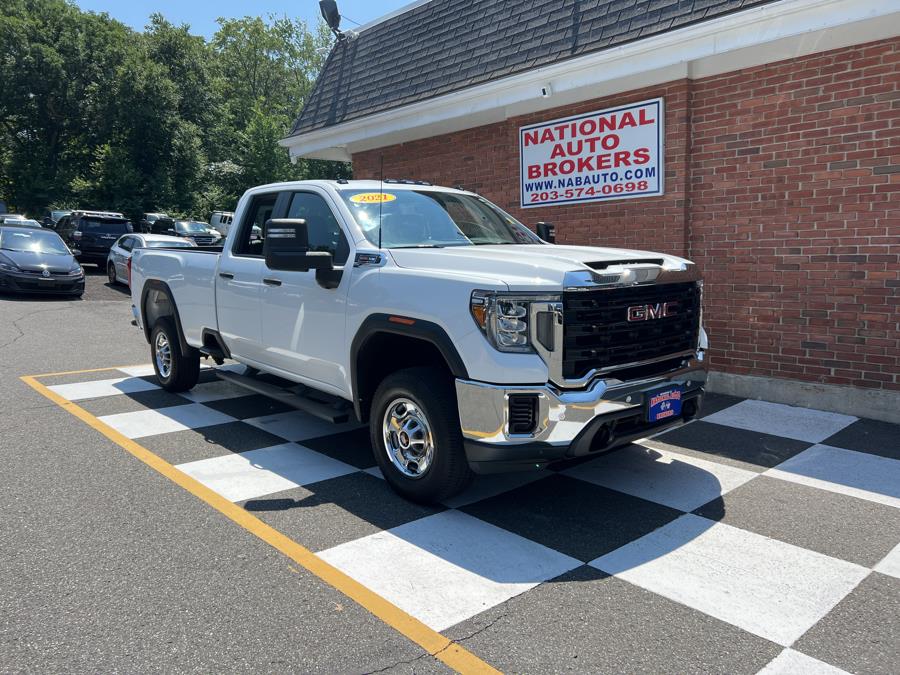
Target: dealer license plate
{"type": "Point", "coordinates": [664, 404]}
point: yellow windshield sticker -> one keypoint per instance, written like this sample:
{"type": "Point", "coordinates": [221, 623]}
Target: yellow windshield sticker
{"type": "Point", "coordinates": [372, 198]}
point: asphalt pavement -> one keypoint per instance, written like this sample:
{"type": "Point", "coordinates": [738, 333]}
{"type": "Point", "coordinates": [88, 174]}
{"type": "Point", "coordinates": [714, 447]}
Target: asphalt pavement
{"type": "Point", "coordinates": [221, 531]}
{"type": "Point", "coordinates": [108, 566]}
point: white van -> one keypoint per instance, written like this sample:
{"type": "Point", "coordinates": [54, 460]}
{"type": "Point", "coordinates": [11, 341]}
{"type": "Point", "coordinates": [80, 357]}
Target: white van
{"type": "Point", "coordinates": [220, 221]}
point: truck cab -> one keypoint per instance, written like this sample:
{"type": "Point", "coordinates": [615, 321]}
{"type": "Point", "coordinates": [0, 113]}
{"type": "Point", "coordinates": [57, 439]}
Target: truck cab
{"type": "Point", "coordinates": [466, 342]}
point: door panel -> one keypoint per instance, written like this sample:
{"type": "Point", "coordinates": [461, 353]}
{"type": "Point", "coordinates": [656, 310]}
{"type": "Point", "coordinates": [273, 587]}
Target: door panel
{"type": "Point", "coordinates": [303, 324]}
{"type": "Point", "coordinates": [239, 282]}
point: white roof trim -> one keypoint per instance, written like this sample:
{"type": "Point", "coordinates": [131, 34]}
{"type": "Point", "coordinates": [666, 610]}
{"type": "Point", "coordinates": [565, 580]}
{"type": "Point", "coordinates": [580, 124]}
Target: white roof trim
{"type": "Point", "coordinates": [785, 29]}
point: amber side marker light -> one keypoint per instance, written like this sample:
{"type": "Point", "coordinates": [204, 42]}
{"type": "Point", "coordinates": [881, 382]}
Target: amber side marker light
{"type": "Point", "coordinates": [402, 320]}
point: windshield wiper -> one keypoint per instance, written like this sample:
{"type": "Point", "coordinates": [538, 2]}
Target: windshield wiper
{"type": "Point", "coordinates": [419, 246]}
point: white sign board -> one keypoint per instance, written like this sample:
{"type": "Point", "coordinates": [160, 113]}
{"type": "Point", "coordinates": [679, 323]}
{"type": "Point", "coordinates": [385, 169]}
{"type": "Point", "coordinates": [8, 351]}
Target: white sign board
{"type": "Point", "coordinates": [608, 154]}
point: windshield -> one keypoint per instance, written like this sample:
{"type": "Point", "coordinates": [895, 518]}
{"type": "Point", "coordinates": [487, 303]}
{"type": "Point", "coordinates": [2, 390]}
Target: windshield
{"type": "Point", "coordinates": [425, 218]}
{"type": "Point", "coordinates": [36, 241]}
{"type": "Point", "coordinates": [185, 226]}
{"type": "Point", "coordinates": [105, 225]}
{"type": "Point", "coordinates": [169, 244]}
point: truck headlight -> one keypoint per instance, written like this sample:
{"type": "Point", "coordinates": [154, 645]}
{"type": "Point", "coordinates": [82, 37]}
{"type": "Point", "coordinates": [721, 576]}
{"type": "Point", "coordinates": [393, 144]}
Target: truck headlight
{"type": "Point", "coordinates": [504, 318]}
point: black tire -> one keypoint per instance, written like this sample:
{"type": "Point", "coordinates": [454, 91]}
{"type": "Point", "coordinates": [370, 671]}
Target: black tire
{"type": "Point", "coordinates": [182, 371]}
{"type": "Point", "coordinates": [431, 390]}
{"type": "Point", "coordinates": [111, 274]}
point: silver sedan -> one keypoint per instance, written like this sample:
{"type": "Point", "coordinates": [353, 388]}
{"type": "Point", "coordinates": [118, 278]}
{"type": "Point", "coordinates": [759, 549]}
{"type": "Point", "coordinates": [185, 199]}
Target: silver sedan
{"type": "Point", "coordinates": [117, 264]}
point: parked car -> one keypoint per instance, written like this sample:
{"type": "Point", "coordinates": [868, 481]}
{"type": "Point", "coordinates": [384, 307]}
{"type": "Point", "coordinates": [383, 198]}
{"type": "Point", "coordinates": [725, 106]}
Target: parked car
{"type": "Point", "coordinates": [52, 217]}
{"type": "Point", "coordinates": [467, 343]}
{"type": "Point", "coordinates": [94, 233]}
{"type": "Point", "coordinates": [220, 221]}
{"type": "Point", "coordinates": [194, 230]}
{"type": "Point", "coordinates": [118, 263]}
{"type": "Point", "coordinates": [35, 260]}
{"type": "Point", "coordinates": [19, 222]}
{"type": "Point", "coordinates": [147, 220]}
{"type": "Point", "coordinates": [12, 216]}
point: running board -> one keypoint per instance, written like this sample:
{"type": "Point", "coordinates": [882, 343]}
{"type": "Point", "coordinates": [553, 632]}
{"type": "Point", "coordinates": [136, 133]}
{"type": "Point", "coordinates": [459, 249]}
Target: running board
{"type": "Point", "coordinates": [324, 411]}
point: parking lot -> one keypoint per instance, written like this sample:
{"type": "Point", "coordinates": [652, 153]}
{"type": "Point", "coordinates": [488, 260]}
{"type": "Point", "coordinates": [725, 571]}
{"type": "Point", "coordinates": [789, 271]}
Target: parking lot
{"type": "Point", "coordinates": [217, 530]}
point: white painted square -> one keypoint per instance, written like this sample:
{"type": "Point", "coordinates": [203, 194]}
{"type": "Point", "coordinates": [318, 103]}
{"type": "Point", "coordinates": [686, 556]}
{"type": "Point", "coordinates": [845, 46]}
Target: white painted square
{"type": "Point", "coordinates": [680, 481]}
{"type": "Point", "coordinates": [890, 564]}
{"type": "Point", "coordinates": [802, 424]}
{"type": "Point", "coordinates": [214, 391]}
{"type": "Point", "coordinates": [139, 371]}
{"type": "Point", "coordinates": [767, 587]}
{"type": "Point", "coordinates": [265, 471]}
{"type": "Point", "coordinates": [296, 425]}
{"type": "Point", "coordinates": [80, 391]}
{"type": "Point", "coordinates": [447, 567]}
{"type": "Point", "coordinates": [491, 485]}
{"type": "Point", "coordinates": [164, 420]}
{"type": "Point", "coordinates": [790, 662]}
{"type": "Point", "coordinates": [858, 474]}
{"type": "Point", "coordinates": [147, 369]}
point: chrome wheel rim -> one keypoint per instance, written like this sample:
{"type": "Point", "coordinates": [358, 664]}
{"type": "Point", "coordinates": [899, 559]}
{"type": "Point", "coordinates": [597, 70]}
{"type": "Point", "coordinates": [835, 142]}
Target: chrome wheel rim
{"type": "Point", "coordinates": [162, 352]}
{"type": "Point", "coordinates": [407, 438]}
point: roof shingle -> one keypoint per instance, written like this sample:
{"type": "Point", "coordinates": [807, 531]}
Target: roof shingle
{"type": "Point", "coordinates": [447, 45]}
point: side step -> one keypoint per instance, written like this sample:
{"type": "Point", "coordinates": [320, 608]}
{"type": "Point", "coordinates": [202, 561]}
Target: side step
{"type": "Point", "coordinates": [321, 410]}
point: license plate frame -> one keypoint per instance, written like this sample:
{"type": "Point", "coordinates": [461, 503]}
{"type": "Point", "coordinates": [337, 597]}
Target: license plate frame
{"type": "Point", "coordinates": [664, 403]}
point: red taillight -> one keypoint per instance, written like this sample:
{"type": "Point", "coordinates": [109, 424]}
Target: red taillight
{"type": "Point", "coordinates": [129, 271]}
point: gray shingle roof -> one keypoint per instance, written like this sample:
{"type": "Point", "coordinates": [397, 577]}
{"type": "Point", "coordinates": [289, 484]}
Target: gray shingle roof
{"type": "Point", "coordinates": [448, 45]}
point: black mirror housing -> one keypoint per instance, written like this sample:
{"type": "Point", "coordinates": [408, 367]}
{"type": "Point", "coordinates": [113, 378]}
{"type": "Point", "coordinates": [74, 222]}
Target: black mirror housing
{"type": "Point", "coordinates": [547, 232]}
{"type": "Point", "coordinates": [286, 247]}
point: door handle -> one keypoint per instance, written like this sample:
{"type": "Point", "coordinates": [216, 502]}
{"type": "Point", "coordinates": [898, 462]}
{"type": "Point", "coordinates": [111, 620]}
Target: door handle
{"type": "Point", "coordinates": [226, 275]}
{"type": "Point", "coordinates": [272, 282]}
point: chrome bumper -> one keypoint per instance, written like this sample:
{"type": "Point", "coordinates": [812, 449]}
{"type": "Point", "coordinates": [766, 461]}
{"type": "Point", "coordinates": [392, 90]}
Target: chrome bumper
{"type": "Point", "coordinates": [563, 414]}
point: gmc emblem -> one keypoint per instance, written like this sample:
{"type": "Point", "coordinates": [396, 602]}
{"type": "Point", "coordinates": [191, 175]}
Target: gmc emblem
{"type": "Point", "coordinates": [648, 312]}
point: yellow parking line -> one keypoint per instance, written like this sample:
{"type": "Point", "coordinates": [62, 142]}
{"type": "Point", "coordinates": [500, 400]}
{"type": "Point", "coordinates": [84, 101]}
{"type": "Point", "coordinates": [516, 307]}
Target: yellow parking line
{"type": "Point", "coordinates": [451, 653]}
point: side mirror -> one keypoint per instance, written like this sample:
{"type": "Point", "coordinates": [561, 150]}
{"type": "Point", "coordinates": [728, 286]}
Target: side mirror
{"type": "Point", "coordinates": [547, 232]}
{"type": "Point", "coordinates": [76, 252]}
{"type": "Point", "coordinates": [286, 247]}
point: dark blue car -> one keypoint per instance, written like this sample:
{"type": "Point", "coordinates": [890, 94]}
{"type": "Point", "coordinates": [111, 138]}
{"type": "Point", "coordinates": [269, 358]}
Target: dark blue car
{"type": "Point", "coordinates": [37, 261]}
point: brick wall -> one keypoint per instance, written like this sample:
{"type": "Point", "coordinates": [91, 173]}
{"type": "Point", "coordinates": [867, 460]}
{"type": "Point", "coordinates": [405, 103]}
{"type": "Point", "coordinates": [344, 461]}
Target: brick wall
{"type": "Point", "coordinates": [781, 183]}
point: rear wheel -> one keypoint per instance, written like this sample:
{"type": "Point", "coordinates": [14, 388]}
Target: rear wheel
{"type": "Point", "coordinates": [415, 433]}
{"type": "Point", "coordinates": [111, 273]}
{"type": "Point", "coordinates": [174, 370]}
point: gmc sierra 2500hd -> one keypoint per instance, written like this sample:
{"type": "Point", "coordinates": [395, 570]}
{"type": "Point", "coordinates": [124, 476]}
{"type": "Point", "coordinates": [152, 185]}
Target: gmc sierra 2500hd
{"type": "Point", "coordinates": [465, 341]}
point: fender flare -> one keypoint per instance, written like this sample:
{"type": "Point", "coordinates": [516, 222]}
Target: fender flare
{"type": "Point", "coordinates": [408, 327]}
{"type": "Point", "coordinates": [162, 287]}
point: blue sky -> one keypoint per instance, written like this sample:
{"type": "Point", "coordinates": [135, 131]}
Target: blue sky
{"type": "Point", "coordinates": [202, 14]}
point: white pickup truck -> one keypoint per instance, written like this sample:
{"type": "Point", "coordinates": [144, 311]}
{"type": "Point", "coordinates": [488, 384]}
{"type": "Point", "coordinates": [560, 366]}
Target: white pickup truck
{"type": "Point", "coordinates": [467, 343]}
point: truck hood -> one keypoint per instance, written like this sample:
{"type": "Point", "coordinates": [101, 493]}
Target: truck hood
{"type": "Point", "coordinates": [525, 267]}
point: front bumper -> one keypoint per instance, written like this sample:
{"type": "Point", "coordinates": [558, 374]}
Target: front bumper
{"type": "Point", "coordinates": [56, 284]}
{"type": "Point", "coordinates": [568, 421]}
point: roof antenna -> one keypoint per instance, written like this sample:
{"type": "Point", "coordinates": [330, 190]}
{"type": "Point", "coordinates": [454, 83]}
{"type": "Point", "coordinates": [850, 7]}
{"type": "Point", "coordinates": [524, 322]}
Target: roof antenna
{"type": "Point", "coordinates": [332, 16]}
{"type": "Point", "coordinates": [380, 199]}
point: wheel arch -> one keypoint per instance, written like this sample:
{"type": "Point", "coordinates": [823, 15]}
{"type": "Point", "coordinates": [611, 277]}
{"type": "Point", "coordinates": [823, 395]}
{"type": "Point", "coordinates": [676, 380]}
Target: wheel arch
{"type": "Point", "coordinates": [157, 301]}
{"type": "Point", "coordinates": [412, 342]}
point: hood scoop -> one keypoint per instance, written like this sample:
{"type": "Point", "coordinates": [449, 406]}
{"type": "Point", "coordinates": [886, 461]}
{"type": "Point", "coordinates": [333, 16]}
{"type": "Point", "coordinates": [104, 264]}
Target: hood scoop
{"type": "Point", "coordinates": [603, 264]}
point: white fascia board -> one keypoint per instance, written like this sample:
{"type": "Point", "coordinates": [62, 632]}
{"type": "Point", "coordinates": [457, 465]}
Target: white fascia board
{"type": "Point", "coordinates": [766, 34]}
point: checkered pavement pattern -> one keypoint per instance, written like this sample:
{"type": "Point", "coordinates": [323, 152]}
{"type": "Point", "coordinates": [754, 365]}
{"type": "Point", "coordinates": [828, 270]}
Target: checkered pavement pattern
{"type": "Point", "coordinates": [759, 538]}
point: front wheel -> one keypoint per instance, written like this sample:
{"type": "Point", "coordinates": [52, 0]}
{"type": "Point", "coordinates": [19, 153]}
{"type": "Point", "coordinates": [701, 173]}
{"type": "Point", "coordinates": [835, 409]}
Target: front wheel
{"type": "Point", "coordinates": [416, 437]}
{"type": "Point", "coordinates": [111, 274]}
{"type": "Point", "coordinates": [174, 370]}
